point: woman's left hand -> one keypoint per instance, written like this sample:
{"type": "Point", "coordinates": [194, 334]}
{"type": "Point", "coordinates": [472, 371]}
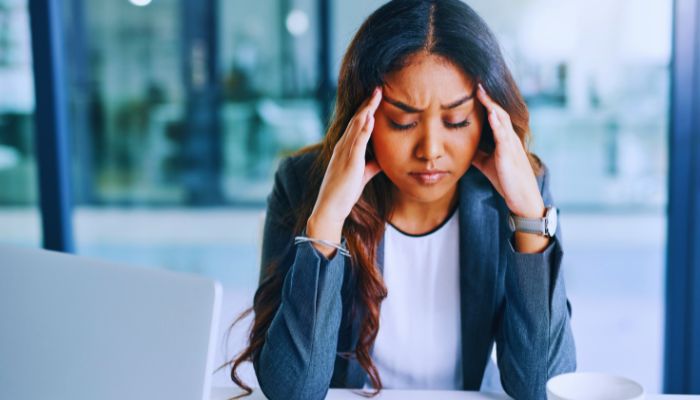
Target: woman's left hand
{"type": "Point", "coordinates": [508, 167]}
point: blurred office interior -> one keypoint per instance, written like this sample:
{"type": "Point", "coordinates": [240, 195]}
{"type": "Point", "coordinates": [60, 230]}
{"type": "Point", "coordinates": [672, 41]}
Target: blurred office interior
{"type": "Point", "coordinates": [178, 113]}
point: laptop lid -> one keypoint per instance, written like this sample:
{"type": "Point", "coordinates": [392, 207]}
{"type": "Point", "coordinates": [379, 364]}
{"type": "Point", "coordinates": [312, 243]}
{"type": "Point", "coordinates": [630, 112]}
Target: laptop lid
{"type": "Point", "coordinates": [83, 329]}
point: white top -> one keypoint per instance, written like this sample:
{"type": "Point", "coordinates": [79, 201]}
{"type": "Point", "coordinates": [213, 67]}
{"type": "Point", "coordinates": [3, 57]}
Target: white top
{"type": "Point", "coordinates": [418, 345]}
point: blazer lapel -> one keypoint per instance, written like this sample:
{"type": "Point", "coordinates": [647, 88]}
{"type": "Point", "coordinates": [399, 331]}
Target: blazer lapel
{"type": "Point", "coordinates": [478, 255]}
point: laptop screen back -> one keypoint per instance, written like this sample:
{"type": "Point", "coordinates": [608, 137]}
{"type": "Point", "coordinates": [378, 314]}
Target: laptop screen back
{"type": "Point", "coordinates": [75, 328]}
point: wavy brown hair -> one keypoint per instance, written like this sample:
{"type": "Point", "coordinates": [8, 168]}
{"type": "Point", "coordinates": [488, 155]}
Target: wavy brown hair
{"type": "Point", "coordinates": [383, 44]}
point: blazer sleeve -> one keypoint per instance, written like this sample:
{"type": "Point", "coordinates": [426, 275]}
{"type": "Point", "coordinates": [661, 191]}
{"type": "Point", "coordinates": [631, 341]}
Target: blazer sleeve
{"type": "Point", "coordinates": [534, 338]}
{"type": "Point", "coordinates": [297, 357]}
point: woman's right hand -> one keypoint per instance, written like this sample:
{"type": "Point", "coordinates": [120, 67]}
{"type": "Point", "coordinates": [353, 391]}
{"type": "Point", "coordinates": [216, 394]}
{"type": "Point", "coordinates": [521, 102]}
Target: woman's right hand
{"type": "Point", "coordinates": [346, 176]}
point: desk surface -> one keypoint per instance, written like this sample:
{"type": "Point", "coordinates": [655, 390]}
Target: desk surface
{"type": "Point", "coordinates": [225, 393]}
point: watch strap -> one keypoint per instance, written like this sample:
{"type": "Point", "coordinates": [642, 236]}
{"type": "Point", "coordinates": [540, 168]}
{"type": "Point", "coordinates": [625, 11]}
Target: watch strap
{"type": "Point", "coordinates": [545, 226]}
{"type": "Point", "coordinates": [529, 225]}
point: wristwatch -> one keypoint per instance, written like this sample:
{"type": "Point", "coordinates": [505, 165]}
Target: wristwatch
{"type": "Point", "coordinates": [546, 226]}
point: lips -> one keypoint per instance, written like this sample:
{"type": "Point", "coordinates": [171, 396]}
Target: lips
{"type": "Point", "coordinates": [428, 177]}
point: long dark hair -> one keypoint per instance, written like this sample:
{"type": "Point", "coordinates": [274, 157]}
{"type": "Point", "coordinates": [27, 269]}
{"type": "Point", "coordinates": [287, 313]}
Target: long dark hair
{"type": "Point", "coordinates": [383, 44]}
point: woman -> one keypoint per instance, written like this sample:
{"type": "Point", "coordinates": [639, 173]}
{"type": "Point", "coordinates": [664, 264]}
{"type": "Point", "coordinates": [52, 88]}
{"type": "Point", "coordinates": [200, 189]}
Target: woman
{"type": "Point", "coordinates": [423, 201]}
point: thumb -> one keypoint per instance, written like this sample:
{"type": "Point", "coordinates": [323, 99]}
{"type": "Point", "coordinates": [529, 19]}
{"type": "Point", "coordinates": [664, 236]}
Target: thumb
{"type": "Point", "coordinates": [371, 170]}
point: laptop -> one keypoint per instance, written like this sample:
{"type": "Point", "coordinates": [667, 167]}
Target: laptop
{"type": "Point", "coordinates": [74, 328]}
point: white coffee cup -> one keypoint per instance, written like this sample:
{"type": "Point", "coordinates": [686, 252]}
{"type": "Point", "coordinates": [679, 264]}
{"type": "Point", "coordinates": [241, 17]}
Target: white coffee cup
{"type": "Point", "coordinates": [593, 386]}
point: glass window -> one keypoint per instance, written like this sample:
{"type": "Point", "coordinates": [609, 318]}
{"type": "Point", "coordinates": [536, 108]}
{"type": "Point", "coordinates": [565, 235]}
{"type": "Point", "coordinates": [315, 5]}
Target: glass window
{"type": "Point", "coordinates": [19, 213]}
{"type": "Point", "coordinates": [269, 65]}
{"type": "Point", "coordinates": [596, 79]}
{"type": "Point", "coordinates": [178, 126]}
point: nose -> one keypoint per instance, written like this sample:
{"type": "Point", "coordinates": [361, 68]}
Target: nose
{"type": "Point", "coordinates": [430, 146]}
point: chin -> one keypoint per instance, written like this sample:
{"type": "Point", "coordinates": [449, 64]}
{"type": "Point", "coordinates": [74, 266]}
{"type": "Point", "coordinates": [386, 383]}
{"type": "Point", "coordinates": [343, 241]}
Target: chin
{"type": "Point", "coordinates": [426, 194]}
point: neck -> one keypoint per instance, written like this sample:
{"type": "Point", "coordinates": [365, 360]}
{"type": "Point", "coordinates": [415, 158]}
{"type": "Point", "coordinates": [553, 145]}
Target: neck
{"type": "Point", "coordinates": [417, 217]}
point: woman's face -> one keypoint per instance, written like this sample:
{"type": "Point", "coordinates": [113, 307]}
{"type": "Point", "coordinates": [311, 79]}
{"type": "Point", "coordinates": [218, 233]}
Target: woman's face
{"type": "Point", "coordinates": [427, 127]}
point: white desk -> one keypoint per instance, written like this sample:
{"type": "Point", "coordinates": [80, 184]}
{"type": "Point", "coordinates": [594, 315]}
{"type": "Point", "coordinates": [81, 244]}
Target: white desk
{"type": "Point", "coordinates": [344, 394]}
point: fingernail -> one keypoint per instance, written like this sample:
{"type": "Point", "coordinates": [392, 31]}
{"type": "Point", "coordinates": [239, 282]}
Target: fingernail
{"type": "Point", "coordinates": [481, 88]}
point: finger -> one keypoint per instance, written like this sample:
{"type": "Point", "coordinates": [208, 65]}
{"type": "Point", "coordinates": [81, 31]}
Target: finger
{"type": "Point", "coordinates": [496, 125]}
{"type": "Point", "coordinates": [372, 103]}
{"type": "Point", "coordinates": [362, 109]}
{"type": "Point", "coordinates": [375, 100]}
{"type": "Point", "coordinates": [484, 98]}
{"type": "Point", "coordinates": [367, 127]}
{"type": "Point", "coordinates": [497, 116]}
{"type": "Point", "coordinates": [364, 119]}
{"type": "Point", "coordinates": [360, 138]}
{"type": "Point", "coordinates": [491, 105]}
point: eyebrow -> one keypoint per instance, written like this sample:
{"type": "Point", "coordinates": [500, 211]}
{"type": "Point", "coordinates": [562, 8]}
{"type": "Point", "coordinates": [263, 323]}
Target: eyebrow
{"type": "Point", "coordinates": [412, 110]}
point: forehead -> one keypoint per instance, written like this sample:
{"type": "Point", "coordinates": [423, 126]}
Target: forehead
{"type": "Point", "coordinates": [428, 79]}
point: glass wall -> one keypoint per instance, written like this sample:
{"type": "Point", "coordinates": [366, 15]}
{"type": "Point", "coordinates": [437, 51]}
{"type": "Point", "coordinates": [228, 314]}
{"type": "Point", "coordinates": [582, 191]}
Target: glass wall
{"type": "Point", "coordinates": [180, 113]}
{"type": "Point", "coordinates": [269, 65]}
{"type": "Point", "coordinates": [19, 214]}
{"type": "Point", "coordinates": [595, 75]}
{"type": "Point", "coordinates": [127, 100]}
{"type": "Point", "coordinates": [134, 82]}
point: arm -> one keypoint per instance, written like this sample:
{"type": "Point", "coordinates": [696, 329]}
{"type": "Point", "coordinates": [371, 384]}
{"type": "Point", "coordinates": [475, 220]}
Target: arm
{"type": "Point", "coordinates": [297, 358]}
{"type": "Point", "coordinates": [296, 361]}
{"type": "Point", "coordinates": [534, 338]}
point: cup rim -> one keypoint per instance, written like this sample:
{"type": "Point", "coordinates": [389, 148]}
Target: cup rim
{"type": "Point", "coordinates": [556, 379]}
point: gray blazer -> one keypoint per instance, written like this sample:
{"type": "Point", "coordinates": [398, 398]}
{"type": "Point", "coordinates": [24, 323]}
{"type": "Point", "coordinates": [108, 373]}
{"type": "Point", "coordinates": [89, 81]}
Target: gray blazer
{"type": "Point", "coordinates": [517, 300]}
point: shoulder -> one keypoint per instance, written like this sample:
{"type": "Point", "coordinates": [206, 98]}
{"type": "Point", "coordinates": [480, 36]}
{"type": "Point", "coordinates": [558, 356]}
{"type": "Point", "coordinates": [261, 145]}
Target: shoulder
{"type": "Point", "coordinates": [543, 178]}
{"type": "Point", "coordinates": [543, 182]}
{"type": "Point", "coordinates": [541, 172]}
{"type": "Point", "coordinates": [297, 164]}
{"type": "Point", "coordinates": [292, 175]}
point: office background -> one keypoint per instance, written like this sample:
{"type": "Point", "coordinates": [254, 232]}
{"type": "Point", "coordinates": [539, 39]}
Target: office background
{"type": "Point", "coordinates": [174, 114]}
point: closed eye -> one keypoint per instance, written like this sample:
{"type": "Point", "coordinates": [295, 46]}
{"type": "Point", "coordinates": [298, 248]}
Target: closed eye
{"type": "Point", "coordinates": [457, 125]}
{"type": "Point", "coordinates": [399, 127]}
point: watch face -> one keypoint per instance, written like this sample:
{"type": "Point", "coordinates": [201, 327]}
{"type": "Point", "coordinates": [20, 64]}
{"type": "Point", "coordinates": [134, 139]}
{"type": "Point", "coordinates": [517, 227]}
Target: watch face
{"type": "Point", "coordinates": [551, 221]}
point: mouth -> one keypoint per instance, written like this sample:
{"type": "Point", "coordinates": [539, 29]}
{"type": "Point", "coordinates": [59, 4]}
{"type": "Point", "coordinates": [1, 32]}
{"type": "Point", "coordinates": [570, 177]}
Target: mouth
{"type": "Point", "coordinates": [428, 177]}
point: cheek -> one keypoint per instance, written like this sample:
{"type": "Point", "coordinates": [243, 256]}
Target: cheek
{"type": "Point", "coordinates": [388, 147]}
{"type": "Point", "coordinates": [464, 142]}
{"type": "Point", "coordinates": [467, 144]}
